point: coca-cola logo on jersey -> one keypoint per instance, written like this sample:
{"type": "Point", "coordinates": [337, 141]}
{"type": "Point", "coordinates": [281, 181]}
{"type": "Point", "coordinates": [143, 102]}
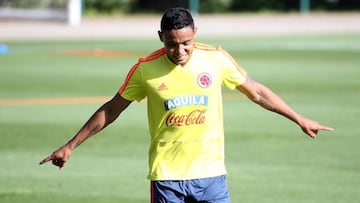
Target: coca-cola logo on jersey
{"type": "Point", "coordinates": [195, 117]}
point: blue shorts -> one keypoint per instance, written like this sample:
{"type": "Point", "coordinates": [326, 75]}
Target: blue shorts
{"type": "Point", "coordinates": [211, 190]}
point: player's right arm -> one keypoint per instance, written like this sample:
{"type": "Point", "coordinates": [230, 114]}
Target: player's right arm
{"type": "Point", "coordinates": [105, 115]}
{"type": "Point", "coordinates": [263, 96]}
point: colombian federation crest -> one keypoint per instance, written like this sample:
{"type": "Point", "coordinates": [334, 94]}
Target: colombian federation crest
{"type": "Point", "coordinates": [204, 80]}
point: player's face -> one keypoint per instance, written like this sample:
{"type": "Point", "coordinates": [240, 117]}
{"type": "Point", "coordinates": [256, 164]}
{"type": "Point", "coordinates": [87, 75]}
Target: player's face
{"type": "Point", "coordinates": [178, 44]}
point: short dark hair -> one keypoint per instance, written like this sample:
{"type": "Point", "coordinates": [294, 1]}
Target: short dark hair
{"type": "Point", "coordinates": [176, 18]}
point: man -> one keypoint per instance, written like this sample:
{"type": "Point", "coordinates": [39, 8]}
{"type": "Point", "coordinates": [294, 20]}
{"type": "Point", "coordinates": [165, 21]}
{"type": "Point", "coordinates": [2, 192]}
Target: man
{"type": "Point", "coordinates": [182, 83]}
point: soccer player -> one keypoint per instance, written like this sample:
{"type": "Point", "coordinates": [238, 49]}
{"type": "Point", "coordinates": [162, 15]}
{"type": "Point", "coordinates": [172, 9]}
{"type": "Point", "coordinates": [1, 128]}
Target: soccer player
{"type": "Point", "coordinates": [182, 83]}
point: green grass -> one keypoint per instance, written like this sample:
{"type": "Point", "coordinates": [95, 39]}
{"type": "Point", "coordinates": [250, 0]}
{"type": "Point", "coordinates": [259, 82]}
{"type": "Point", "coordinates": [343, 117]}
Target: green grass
{"type": "Point", "coordinates": [269, 160]}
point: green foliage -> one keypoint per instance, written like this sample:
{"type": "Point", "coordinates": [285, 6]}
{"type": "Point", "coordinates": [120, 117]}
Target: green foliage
{"type": "Point", "coordinates": [107, 6]}
{"type": "Point", "coordinates": [256, 5]}
{"type": "Point", "coordinates": [34, 4]}
{"type": "Point", "coordinates": [113, 7]}
{"type": "Point", "coordinates": [215, 6]}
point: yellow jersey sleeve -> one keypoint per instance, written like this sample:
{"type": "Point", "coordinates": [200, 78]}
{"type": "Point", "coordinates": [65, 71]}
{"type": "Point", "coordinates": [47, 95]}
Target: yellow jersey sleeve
{"type": "Point", "coordinates": [233, 74]}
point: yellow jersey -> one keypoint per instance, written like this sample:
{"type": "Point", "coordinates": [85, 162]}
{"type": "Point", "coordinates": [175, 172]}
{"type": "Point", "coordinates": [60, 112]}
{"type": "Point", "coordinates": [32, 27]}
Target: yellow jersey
{"type": "Point", "coordinates": [184, 105]}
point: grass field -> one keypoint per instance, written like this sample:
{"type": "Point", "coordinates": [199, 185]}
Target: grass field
{"type": "Point", "coordinates": [269, 160]}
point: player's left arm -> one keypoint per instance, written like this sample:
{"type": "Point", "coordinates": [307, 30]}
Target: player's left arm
{"type": "Point", "coordinates": [264, 97]}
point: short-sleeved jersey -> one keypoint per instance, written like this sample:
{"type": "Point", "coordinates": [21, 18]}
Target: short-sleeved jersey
{"type": "Point", "coordinates": [184, 110]}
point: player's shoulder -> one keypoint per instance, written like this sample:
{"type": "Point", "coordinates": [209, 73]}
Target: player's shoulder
{"type": "Point", "coordinates": [149, 59]}
{"type": "Point", "coordinates": [154, 55]}
{"type": "Point", "coordinates": [207, 47]}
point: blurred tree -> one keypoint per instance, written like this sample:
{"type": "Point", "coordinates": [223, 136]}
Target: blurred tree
{"type": "Point", "coordinates": [157, 5]}
{"type": "Point", "coordinates": [107, 6]}
{"type": "Point", "coordinates": [215, 6]}
{"type": "Point", "coordinates": [263, 5]}
{"type": "Point", "coordinates": [286, 5]}
{"type": "Point", "coordinates": [209, 6]}
{"type": "Point", "coordinates": [206, 6]}
{"type": "Point", "coordinates": [349, 4]}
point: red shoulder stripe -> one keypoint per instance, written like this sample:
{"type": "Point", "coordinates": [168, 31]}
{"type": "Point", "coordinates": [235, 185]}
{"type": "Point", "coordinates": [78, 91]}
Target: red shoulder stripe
{"type": "Point", "coordinates": [155, 55]}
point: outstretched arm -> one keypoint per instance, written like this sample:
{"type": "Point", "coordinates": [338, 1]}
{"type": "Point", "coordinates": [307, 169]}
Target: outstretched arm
{"type": "Point", "coordinates": [105, 115]}
{"type": "Point", "coordinates": [263, 96]}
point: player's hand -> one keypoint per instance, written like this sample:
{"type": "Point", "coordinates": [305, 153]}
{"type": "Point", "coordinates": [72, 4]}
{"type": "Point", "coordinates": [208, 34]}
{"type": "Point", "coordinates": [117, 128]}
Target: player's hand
{"type": "Point", "coordinates": [312, 128]}
{"type": "Point", "coordinates": [59, 157]}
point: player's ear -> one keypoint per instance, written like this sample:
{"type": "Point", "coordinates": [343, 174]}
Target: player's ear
{"type": "Point", "coordinates": [195, 30]}
{"type": "Point", "coordinates": [160, 36]}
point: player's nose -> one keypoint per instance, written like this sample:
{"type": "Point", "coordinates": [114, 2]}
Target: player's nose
{"type": "Point", "coordinates": [179, 51]}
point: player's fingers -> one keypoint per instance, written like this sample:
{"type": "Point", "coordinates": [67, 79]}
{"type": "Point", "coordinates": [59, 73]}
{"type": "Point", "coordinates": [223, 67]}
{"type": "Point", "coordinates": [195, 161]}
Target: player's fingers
{"type": "Point", "coordinates": [49, 158]}
{"type": "Point", "coordinates": [58, 162]}
{"type": "Point", "coordinates": [326, 128]}
{"type": "Point", "coordinates": [62, 165]}
{"type": "Point", "coordinates": [321, 127]}
{"type": "Point", "coordinates": [312, 134]}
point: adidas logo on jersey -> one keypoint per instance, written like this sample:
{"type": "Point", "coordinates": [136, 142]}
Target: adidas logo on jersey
{"type": "Point", "coordinates": [162, 87]}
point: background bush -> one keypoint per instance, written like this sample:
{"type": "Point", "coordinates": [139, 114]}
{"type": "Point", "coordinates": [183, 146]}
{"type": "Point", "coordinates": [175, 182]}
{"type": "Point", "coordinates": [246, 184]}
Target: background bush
{"type": "Point", "coordinates": [113, 7]}
{"type": "Point", "coordinates": [216, 6]}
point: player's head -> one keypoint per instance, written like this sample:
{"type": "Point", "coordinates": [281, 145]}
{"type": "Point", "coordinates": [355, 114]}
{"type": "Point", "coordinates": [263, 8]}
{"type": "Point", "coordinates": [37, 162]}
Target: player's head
{"type": "Point", "coordinates": [178, 33]}
{"type": "Point", "coordinates": [176, 18]}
